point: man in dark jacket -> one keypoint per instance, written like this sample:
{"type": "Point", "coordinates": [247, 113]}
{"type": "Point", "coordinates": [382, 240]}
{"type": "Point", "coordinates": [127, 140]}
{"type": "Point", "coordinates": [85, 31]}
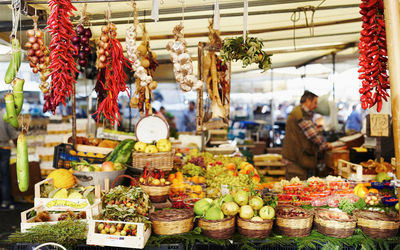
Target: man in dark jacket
{"type": "Point", "coordinates": [302, 139]}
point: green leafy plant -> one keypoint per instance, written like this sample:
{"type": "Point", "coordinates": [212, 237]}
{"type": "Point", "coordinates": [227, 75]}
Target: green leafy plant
{"type": "Point", "coordinates": [235, 49]}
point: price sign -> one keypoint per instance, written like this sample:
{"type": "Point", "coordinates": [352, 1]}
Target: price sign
{"type": "Point", "coordinates": [378, 125]}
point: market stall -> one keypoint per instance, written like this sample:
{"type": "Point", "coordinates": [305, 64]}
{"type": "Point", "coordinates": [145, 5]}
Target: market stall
{"type": "Point", "coordinates": [143, 189]}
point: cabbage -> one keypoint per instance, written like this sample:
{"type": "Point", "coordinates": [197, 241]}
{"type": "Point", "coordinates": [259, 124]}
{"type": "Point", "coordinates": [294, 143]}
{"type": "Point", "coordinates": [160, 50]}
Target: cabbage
{"type": "Point", "coordinates": [227, 198]}
{"type": "Point", "coordinates": [201, 206]}
{"type": "Point", "coordinates": [214, 213]}
{"type": "Point", "coordinates": [230, 208]}
{"type": "Point", "coordinates": [246, 212]}
{"type": "Point", "coordinates": [256, 203]}
{"type": "Point", "coordinates": [241, 198]}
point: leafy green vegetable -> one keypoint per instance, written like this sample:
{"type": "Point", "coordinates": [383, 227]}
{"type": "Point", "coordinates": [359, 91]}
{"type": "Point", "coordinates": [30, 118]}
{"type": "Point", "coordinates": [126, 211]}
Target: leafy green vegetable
{"type": "Point", "coordinates": [248, 52]}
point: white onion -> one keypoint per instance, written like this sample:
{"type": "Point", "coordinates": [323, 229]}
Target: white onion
{"type": "Point", "coordinates": [178, 77]}
{"type": "Point", "coordinates": [185, 87]}
{"type": "Point", "coordinates": [187, 68]}
{"type": "Point", "coordinates": [169, 45]}
{"type": "Point", "coordinates": [183, 58]}
{"type": "Point", "coordinates": [173, 57]}
{"type": "Point", "coordinates": [177, 67]}
{"type": "Point", "coordinates": [198, 84]}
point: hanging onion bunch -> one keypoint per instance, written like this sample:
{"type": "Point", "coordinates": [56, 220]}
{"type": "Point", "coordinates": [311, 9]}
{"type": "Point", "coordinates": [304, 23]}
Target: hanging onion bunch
{"type": "Point", "coordinates": [81, 43]}
{"type": "Point", "coordinates": [183, 67]}
{"type": "Point", "coordinates": [143, 63]}
{"type": "Point", "coordinates": [102, 47]}
{"type": "Point", "coordinates": [137, 55]}
{"type": "Point", "coordinates": [38, 55]}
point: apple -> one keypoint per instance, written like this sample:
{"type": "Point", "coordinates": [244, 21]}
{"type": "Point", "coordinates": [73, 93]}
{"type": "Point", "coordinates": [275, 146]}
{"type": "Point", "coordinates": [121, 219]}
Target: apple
{"type": "Point", "coordinates": [107, 228]}
{"type": "Point", "coordinates": [141, 180]}
{"type": "Point", "coordinates": [257, 219]}
{"type": "Point", "coordinates": [267, 212]}
{"type": "Point", "coordinates": [103, 231]}
{"type": "Point", "coordinates": [151, 149]}
{"type": "Point", "coordinates": [164, 145]}
{"type": "Point", "coordinates": [156, 182]}
{"type": "Point", "coordinates": [123, 233]}
{"type": "Point", "coordinates": [162, 180]}
{"type": "Point", "coordinates": [113, 229]}
{"type": "Point", "coordinates": [119, 227]}
{"type": "Point", "coordinates": [100, 226]}
{"type": "Point", "coordinates": [140, 146]}
{"type": "Point", "coordinates": [397, 206]}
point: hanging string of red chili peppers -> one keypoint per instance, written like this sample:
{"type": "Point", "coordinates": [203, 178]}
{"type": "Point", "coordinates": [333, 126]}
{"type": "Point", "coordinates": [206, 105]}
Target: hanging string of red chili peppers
{"type": "Point", "coordinates": [373, 55]}
{"type": "Point", "coordinates": [62, 63]}
{"type": "Point", "coordinates": [111, 79]}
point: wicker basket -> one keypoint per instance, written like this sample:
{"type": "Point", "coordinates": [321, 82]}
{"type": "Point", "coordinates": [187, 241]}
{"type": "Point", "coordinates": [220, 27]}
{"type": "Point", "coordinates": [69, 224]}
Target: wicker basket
{"type": "Point", "coordinates": [157, 194]}
{"type": "Point", "coordinates": [218, 229]}
{"type": "Point", "coordinates": [172, 221]}
{"type": "Point", "coordinates": [254, 229]}
{"type": "Point", "coordinates": [297, 226]}
{"type": "Point", "coordinates": [334, 228]}
{"type": "Point", "coordinates": [162, 161]}
{"type": "Point", "coordinates": [377, 224]}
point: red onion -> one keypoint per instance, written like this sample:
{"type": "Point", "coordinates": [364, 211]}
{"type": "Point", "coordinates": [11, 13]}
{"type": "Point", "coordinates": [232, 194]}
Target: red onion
{"type": "Point", "coordinates": [84, 40]}
{"type": "Point", "coordinates": [88, 33]}
{"type": "Point", "coordinates": [30, 33]}
{"type": "Point", "coordinates": [35, 70]}
{"type": "Point", "coordinates": [31, 52]}
{"type": "Point", "coordinates": [83, 62]}
{"type": "Point", "coordinates": [34, 60]}
{"type": "Point", "coordinates": [32, 39]}
{"type": "Point", "coordinates": [82, 55]}
{"type": "Point", "coordinates": [87, 50]}
{"type": "Point", "coordinates": [32, 64]}
{"type": "Point", "coordinates": [80, 30]}
{"type": "Point", "coordinates": [42, 59]}
{"type": "Point", "coordinates": [76, 40]}
{"type": "Point", "coordinates": [77, 48]}
{"type": "Point", "coordinates": [35, 46]}
{"type": "Point", "coordinates": [39, 53]}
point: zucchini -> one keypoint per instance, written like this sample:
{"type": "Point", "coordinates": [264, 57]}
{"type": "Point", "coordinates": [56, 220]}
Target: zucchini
{"type": "Point", "coordinates": [113, 154]}
{"type": "Point", "coordinates": [15, 62]}
{"type": "Point", "coordinates": [18, 86]}
{"type": "Point", "coordinates": [124, 153]}
{"type": "Point", "coordinates": [11, 112]}
{"type": "Point", "coordinates": [22, 163]}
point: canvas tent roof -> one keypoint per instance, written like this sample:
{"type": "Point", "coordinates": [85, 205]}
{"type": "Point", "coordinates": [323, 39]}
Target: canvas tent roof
{"type": "Point", "coordinates": [333, 27]}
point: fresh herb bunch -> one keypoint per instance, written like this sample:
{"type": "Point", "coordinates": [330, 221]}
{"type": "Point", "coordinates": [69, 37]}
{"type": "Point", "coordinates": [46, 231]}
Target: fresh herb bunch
{"type": "Point", "coordinates": [248, 52]}
{"type": "Point", "coordinates": [67, 233]}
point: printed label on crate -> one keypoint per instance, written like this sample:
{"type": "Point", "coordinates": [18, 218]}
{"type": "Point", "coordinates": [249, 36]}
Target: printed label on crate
{"type": "Point", "coordinates": [67, 203]}
{"type": "Point", "coordinates": [114, 238]}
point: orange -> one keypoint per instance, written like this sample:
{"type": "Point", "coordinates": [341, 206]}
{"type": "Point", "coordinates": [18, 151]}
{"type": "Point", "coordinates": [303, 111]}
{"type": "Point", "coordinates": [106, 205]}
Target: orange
{"type": "Point", "coordinates": [195, 179]}
{"type": "Point", "coordinates": [230, 166]}
{"type": "Point", "coordinates": [256, 178]}
{"type": "Point", "coordinates": [202, 195]}
{"type": "Point", "coordinates": [171, 177]}
{"type": "Point", "coordinates": [189, 179]}
{"type": "Point", "coordinates": [179, 176]}
{"type": "Point", "coordinates": [175, 182]}
{"type": "Point", "coordinates": [202, 179]}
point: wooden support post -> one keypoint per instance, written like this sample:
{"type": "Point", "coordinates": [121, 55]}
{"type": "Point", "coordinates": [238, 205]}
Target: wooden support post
{"type": "Point", "coordinates": [74, 116]}
{"type": "Point", "coordinates": [392, 23]}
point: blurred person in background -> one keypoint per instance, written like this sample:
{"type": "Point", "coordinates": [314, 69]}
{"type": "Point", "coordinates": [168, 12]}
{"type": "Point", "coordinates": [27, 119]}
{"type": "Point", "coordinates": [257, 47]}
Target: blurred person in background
{"type": "Point", "coordinates": [302, 139]}
{"type": "Point", "coordinates": [354, 121]}
{"type": "Point", "coordinates": [7, 133]}
{"type": "Point", "coordinates": [189, 118]}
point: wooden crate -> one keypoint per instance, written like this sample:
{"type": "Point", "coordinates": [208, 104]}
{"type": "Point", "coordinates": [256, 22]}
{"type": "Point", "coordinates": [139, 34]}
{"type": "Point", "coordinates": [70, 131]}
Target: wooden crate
{"type": "Point", "coordinates": [270, 167]}
{"type": "Point", "coordinates": [27, 223]}
{"type": "Point", "coordinates": [58, 204]}
{"type": "Point", "coordinates": [352, 171]}
{"type": "Point", "coordinates": [138, 241]}
{"type": "Point", "coordinates": [332, 158]}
